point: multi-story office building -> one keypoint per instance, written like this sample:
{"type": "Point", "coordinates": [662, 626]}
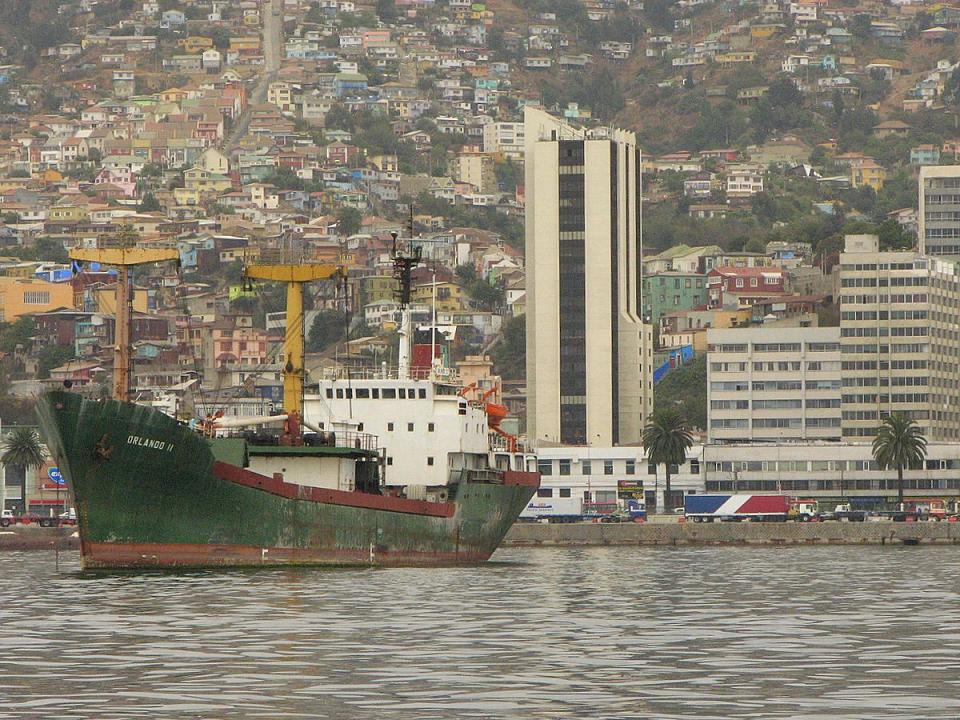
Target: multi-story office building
{"type": "Point", "coordinates": [938, 231]}
{"type": "Point", "coordinates": [899, 339]}
{"type": "Point", "coordinates": [589, 355]}
{"type": "Point", "coordinates": [773, 384]}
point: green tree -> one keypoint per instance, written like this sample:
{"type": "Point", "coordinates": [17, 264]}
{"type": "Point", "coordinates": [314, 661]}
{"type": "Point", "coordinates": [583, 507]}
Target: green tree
{"type": "Point", "coordinates": [486, 296]}
{"type": "Point", "coordinates": [148, 203]}
{"type": "Point", "coordinates": [52, 356]}
{"type": "Point", "coordinates": [666, 439]}
{"type": "Point", "coordinates": [22, 448]}
{"type": "Point", "coordinates": [11, 218]}
{"type": "Point", "coordinates": [20, 332]}
{"type": "Point", "coordinates": [685, 388]}
{"type": "Point", "coordinates": [329, 327]}
{"type": "Point", "coordinates": [899, 445]}
{"type": "Point", "coordinates": [349, 221]}
{"type": "Point", "coordinates": [509, 353]}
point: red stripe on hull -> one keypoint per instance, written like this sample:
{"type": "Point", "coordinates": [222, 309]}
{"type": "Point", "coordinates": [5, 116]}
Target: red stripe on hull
{"type": "Point", "coordinates": [277, 486]}
{"type": "Point", "coordinates": [100, 555]}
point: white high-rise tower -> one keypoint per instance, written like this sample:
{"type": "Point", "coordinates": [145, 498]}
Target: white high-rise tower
{"type": "Point", "coordinates": [589, 354]}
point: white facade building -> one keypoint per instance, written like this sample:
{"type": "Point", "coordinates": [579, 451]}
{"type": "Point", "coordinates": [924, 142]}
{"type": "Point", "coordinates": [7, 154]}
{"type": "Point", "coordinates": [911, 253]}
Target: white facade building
{"type": "Point", "coordinates": [504, 137]}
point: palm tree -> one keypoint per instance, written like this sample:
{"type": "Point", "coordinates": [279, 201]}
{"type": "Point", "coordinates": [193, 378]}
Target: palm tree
{"type": "Point", "coordinates": [666, 439]}
{"type": "Point", "coordinates": [22, 448]}
{"type": "Point", "coordinates": [899, 444]}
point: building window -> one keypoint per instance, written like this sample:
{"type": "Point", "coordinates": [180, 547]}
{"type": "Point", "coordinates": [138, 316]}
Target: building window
{"type": "Point", "coordinates": [631, 468]}
{"type": "Point", "coordinates": [36, 297]}
{"type": "Point", "coordinates": [608, 467]}
{"type": "Point", "coordinates": [651, 468]}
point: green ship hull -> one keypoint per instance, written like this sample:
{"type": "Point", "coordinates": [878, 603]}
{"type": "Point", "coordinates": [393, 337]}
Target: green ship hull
{"type": "Point", "coordinates": [150, 492]}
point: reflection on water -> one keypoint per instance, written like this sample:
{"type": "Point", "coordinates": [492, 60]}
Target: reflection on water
{"type": "Point", "coordinates": [563, 633]}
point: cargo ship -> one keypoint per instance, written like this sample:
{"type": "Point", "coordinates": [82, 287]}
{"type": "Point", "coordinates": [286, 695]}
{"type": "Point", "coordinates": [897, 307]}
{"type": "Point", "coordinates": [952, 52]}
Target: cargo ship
{"type": "Point", "coordinates": [437, 484]}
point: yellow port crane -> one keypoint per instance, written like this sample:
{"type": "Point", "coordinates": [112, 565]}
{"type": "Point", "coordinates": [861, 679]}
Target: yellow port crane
{"type": "Point", "coordinates": [123, 258]}
{"type": "Point", "coordinates": [295, 275]}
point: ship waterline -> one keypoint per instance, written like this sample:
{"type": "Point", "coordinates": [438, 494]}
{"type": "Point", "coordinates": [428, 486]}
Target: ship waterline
{"type": "Point", "coordinates": [150, 492]}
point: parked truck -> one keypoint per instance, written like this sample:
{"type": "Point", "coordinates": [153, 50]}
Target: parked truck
{"type": "Point", "coordinates": [553, 509]}
{"type": "Point", "coordinates": [8, 518]}
{"type": "Point", "coordinates": [733, 508]}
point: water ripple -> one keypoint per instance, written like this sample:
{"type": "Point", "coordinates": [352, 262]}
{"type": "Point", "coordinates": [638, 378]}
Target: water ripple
{"type": "Point", "coordinates": [704, 633]}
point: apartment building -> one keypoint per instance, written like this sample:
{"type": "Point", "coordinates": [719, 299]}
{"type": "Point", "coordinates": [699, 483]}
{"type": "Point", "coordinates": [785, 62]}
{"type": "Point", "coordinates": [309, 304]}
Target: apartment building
{"type": "Point", "coordinates": [899, 339]}
{"type": "Point", "coordinates": [589, 354]}
{"type": "Point", "coordinates": [938, 231]}
{"type": "Point", "coordinates": [768, 384]}
{"type": "Point", "coordinates": [504, 137]}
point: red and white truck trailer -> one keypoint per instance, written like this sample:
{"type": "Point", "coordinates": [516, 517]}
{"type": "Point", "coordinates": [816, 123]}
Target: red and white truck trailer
{"type": "Point", "coordinates": [732, 508]}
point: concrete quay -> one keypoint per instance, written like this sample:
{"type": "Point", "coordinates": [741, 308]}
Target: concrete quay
{"type": "Point", "coordinates": [738, 533]}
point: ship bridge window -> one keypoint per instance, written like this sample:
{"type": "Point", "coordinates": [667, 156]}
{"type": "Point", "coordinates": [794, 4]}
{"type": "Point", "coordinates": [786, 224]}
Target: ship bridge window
{"type": "Point", "coordinates": [403, 393]}
{"type": "Point", "coordinates": [340, 393]}
{"type": "Point", "coordinates": [430, 427]}
{"type": "Point", "coordinates": [423, 393]}
{"type": "Point", "coordinates": [363, 393]}
{"type": "Point", "coordinates": [389, 427]}
{"type": "Point", "coordinates": [429, 461]}
{"type": "Point", "coordinates": [409, 427]}
{"type": "Point", "coordinates": [376, 393]}
{"type": "Point", "coordinates": [544, 492]}
{"type": "Point", "coordinates": [389, 393]}
{"type": "Point", "coordinates": [564, 492]}
{"type": "Point", "coordinates": [329, 393]}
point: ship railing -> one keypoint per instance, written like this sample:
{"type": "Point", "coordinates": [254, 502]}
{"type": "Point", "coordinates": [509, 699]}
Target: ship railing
{"type": "Point", "coordinates": [388, 373]}
{"type": "Point", "coordinates": [288, 256]}
{"type": "Point", "coordinates": [490, 477]}
{"type": "Point", "coordinates": [355, 440]}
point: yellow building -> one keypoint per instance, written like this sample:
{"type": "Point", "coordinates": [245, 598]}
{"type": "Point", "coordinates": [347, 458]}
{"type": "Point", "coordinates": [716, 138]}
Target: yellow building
{"type": "Point", "coordinates": [28, 296]}
{"type": "Point", "coordinates": [199, 179]}
{"type": "Point", "coordinates": [868, 174]}
{"type": "Point", "coordinates": [248, 43]}
{"type": "Point", "coordinates": [105, 300]}
{"type": "Point", "coordinates": [67, 213]}
{"type": "Point", "coordinates": [17, 268]}
{"type": "Point", "coordinates": [450, 296]}
{"type": "Point", "coordinates": [196, 44]}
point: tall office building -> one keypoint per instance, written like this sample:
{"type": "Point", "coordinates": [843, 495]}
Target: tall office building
{"type": "Point", "coordinates": [938, 220]}
{"type": "Point", "coordinates": [589, 355]}
{"type": "Point", "coordinates": [899, 339]}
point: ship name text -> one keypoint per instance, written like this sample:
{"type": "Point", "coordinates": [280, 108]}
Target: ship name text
{"type": "Point", "coordinates": [149, 443]}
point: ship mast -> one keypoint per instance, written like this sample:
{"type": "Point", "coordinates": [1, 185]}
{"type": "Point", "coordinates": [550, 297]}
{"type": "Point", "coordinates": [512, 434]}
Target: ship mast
{"type": "Point", "coordinates": [403, 264]}
{"type": "Point", "coordinates": [295, 275]}
{"type": "Point", "coordinates": [123, 258]}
